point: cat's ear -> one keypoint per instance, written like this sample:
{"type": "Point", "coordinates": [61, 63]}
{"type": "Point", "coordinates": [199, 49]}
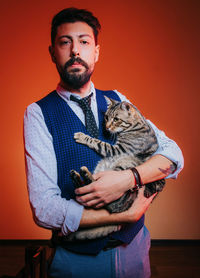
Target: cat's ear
{"type": "Point", "coordinates": [110, 101]}
{"type": "Point", "coordinates": [125, 105]}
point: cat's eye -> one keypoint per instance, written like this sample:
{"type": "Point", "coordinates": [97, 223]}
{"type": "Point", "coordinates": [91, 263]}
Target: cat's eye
{"type": "Point", "coordinates": [106, 117]}
{"type": "Point", "coordinates": [115, 119]}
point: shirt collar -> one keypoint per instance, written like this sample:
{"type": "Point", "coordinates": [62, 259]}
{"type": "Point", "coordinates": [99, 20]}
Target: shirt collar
{"type": "Point", "coordinates": [66, 94]}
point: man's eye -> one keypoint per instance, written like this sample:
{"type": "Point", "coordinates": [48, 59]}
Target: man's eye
{"type": "Point", "coordinates": [64, 42]}
{"type": "Point", "coordinates": [84, 42]}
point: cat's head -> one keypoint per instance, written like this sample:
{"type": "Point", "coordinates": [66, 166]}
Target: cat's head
{"type": "Point", "coordinates": [120, 115]}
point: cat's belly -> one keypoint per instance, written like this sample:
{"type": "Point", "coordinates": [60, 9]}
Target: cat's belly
{"type": "Point", "coordinates": [118, 162]}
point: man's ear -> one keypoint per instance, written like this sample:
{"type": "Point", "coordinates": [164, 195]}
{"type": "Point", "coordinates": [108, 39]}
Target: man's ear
{"type": "Point", "coordinates": [97, 49]}
{"type": "Point", "coordinates": [51, 51]}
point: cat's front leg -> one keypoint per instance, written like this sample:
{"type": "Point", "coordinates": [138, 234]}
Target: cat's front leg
{"type": "Point", "coordinates": [89, 141]}
{"type": "Point", "coordinates": [81, 138]}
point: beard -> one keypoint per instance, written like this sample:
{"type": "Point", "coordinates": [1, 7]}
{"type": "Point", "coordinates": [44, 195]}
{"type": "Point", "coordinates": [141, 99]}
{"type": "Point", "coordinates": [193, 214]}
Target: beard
{"type": "Point", "coordinates": [73, 78]}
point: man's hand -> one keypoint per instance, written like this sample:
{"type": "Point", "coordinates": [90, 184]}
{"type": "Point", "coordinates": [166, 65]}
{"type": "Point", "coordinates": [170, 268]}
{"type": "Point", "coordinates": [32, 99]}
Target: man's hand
{"type": "Point", "coordinates": [109, 186]}
{"type": "Point", "coordinates": [91, 217]}
{"type": "Point", "coordinates": [139, 206]}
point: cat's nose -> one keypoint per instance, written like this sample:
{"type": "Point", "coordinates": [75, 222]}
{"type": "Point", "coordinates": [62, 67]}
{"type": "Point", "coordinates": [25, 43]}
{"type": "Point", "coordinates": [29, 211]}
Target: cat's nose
{"type": "Point", "coordinates": [107, 126]}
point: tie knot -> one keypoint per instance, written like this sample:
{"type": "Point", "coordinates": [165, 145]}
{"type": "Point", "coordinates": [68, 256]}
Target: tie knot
{"type": "Point", "coordinates": [83, 102]}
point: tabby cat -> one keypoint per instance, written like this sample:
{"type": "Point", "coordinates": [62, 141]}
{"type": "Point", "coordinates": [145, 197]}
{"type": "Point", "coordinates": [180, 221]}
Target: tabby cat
{"type": "Point", "coordinates": [135, 143]}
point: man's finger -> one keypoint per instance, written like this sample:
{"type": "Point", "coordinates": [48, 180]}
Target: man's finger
{"type": "Point", "coordinates": [83, 190]}
{"type": "Point", "coordinates": [93, 203]}
{"type": "Point", "coordinates": [100, 205]}
{"type": "Point", "coordinates": [85, 198]}
{"type": "Point", "coordinates": [153, 196]}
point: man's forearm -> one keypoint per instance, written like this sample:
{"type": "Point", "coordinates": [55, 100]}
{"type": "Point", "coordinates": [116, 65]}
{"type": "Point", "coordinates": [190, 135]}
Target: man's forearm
{"type": "Point", "coordinates": [156, 168]}
{"type": "Point", "coordinates": [92, 217]}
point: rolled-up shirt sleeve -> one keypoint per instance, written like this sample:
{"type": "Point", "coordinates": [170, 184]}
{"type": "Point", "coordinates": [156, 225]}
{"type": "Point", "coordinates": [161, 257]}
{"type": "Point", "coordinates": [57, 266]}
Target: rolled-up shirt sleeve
{"type": "Point", "coordinates": [49, 209]}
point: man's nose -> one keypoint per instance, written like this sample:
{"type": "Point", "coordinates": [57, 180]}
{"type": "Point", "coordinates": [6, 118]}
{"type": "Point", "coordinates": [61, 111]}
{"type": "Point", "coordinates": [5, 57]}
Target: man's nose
{"type": "Point", "coordinates": [75, 49]}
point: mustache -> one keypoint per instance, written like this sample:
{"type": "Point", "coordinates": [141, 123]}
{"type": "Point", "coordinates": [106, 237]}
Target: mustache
{"type": "Point", "coordinates": [76, 60]}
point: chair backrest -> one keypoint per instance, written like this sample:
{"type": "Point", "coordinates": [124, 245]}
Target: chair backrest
{"type": "Point", "coordinates": [35, 262]}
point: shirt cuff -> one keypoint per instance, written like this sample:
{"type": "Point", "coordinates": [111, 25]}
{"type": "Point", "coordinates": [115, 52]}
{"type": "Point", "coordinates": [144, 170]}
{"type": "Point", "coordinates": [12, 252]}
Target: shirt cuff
{"type": "Point", "coordinates": [72, 217]}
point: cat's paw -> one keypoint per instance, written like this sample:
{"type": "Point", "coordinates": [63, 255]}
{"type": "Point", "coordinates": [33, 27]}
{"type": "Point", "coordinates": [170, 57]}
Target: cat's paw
{"type": "Point", "coordinates": [76, 179]}
{"type": "Point", "coordinates": [86, 175]}
{"type": "Point", "coordinates": [79, 137]}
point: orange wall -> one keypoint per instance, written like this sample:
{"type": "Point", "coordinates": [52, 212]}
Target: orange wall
{"type": "Point", "coordinates": [150, 52]}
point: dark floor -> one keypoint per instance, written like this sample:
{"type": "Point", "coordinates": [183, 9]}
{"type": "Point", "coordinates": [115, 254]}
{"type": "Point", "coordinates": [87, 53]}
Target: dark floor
{"type": "Point", "coordinates": [175, 261]}
{"type": "Point", "coordinates": [169, 259]}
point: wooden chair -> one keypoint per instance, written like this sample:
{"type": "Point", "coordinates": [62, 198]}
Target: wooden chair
{"type": "Point", "coordinates": [35, 262]}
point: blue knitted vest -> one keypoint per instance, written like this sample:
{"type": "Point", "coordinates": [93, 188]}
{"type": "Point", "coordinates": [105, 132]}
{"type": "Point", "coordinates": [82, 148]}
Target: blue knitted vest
{"type": "Point", "coordinates": [62, 123]}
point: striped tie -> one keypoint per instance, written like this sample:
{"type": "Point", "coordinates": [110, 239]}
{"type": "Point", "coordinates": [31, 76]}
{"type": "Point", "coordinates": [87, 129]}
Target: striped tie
{"type": "Point", "coordinates": [90, 122]}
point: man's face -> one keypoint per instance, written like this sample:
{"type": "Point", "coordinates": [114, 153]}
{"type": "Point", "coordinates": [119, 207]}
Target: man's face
{"type": "Point", "coordinates": [75, 53]}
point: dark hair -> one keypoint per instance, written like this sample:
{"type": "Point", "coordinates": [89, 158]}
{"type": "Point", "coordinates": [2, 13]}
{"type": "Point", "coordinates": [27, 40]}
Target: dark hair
{"type": "Point", "coordinates": [71, 15]}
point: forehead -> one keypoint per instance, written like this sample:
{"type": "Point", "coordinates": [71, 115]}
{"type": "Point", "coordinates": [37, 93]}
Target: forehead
{"type": "Point", "coordinates": [75, 29]}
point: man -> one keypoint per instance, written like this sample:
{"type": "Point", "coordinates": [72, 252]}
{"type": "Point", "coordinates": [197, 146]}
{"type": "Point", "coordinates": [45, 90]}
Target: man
{"type": "Point", "coordinates": [51, 152]}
